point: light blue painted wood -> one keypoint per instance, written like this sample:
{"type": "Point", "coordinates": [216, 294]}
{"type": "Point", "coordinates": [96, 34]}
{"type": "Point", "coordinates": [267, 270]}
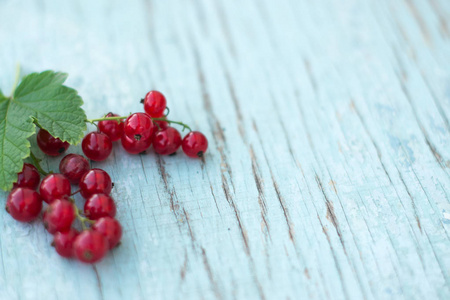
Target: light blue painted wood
{"type": "Point", "coordinates": [328, 169]}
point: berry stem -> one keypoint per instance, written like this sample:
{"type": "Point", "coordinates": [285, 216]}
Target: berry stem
{"type": "Point", "coordinates": [81, 218]}
{"type": "Point", "coordinates": [16, 80]}
{"type": "Point", "coordinates": [37, 164]}
{"type": "Point", "coordinates": [76, 192]}
{"type": "Point", "coordinates": [106, 119]}
{"type": "Point", "coordinates": [173, 122]}
{"type": "Point", "coordinates": [153, 119]}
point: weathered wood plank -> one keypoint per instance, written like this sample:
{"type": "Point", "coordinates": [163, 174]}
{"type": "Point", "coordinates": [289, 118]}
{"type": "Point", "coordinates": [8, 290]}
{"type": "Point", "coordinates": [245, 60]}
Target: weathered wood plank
{"type": "Point", "coordinates": [328, 169]}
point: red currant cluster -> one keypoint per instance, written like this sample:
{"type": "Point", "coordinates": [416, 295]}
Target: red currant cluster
{"type": "Point", "coordinates": [24, 204]}
{"type": "Point", "coordinates": [137, 132]}
{"type": "Point", "coordinates": [140, 130]}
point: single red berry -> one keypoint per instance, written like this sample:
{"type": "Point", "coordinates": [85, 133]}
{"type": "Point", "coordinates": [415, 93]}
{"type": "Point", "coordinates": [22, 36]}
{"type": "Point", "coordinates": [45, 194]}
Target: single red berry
{"type": "Point", "coordinates": [95, 181]}
{"type": "Point", "coordinates": [99, 205]}
{"type": "Point", "coordinates": [29, 177]}
{"type": "Point", "coordinates": [63, 242]}
{"type": "Point", "coordinates": [96, 146]}
{"type": "Point", "coordinates": [24, 204]}
{"type": "Point", "coordinates": [50, 145]}
{"type": "Point", "coordinates": [167, 141]}
{"type": "Point", "coordinates": [135, 147]}
{"type": "Point", "coordinates": [112, 128]}
{"type": "Point", "coordinates": [54, 186]}
{"type": "Point", "coordinates": [59, 216]}
{"type": "Point", "coordinates": [110, 228]}
{"type": "Point", "coordinates": [194, 144]}
{"type": "Point", "coordinates": [155, 104]}
{"type": "Point", "coordinates": [90, 246]}
{"type": "Point", "coordinates": [138, 126]}
{"type": "Point", "coordinates": [74, 166]}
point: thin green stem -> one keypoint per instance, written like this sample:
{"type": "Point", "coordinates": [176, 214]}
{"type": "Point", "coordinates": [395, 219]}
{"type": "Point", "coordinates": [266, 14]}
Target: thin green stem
{"type": "Point", "coordinates": [92, 121]}
{"type": "Point", "coordinates": [173, 122]}
{"type": "Point", "coordinates": [106, 119]}
{"type": "Point", "coordinates": [81, 218]}
{"type": "Point", "coordinates": [37, 164]}
{"type": "Point", "coordinates": [16, 80]}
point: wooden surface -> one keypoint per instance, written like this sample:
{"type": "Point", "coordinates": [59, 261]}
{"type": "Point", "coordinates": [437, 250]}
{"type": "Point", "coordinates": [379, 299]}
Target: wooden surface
{"type": "Point", "coordinates": [328, 171]}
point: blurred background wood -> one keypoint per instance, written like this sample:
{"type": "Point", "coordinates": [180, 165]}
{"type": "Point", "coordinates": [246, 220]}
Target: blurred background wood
{"type": "Point", "coordinates": [327, 174]}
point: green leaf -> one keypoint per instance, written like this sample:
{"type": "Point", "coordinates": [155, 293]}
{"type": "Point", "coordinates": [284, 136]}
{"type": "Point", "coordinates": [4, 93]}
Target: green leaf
{"type": "Point", "coordinates": [43, 99]}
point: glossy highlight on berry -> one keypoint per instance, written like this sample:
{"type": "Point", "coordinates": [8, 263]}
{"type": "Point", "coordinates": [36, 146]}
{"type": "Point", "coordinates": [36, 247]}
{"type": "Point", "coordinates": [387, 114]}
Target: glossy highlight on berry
{"type": "Point", "coordinates": [96, 146]}
{"type": "Point", "coordinates": [24, 204]}
{"type": "Point", "coordinates": [133, 146]}
{"type": "Point", "coordinates": [29, 177]}
{"type": "Point", "coordinates": [59, 216]}
{"type": "Point", "coordinates": [167, 141]}
{"type": "Point", "coordinates": [111, 230]}
{"type": "Point", "coordinates": [73, 166]}
{"type": "Point", "coordinates": [139, 126]}
{"type": "Point", "coordinates": [98, 206]}
{"type": "Point", "coordinates": [50, 145]}
{"type": "Point", "coordinates": [54, 186]}
{"type": "Point", "coordinates": [194, 144]}
{"type": "Point", "coordinates": [63, 242]}
{"type": "Point", "coordinates": [155, 104]}
{"type": "Point", "coordinates": [112, 128]}
{"type": "Point", "coordinates": [90, 246]}
{"type": "Point", "coordinates": [95, 181]}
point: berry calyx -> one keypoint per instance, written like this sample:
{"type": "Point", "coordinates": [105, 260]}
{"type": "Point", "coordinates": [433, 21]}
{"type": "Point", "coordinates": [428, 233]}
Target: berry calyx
{"type": "Point", "coordinates": [167, 141]}
{"type": "Point", "coordinates": [24, 204]}
{"type": "Point", "coordinates": [54, 186]}
{"type": "Point", "coordinates": [194, 144]}
{"type": "Point", "coordinates": [98, 206]}
{"type": "Point", "coordinates": [133, 146]}
{"type": "Point", "coordinates": [110, 228]}
{"type": "Point", "coordinates": [138, 126]}
{"type": "Point", "coordinates": [63, 242]}
{"type": "Point", "coordinates": [96, 146]}
{"type": "Point", "coordinates": [74, 166]}
{"type": "Point", "coordinates": [59, 216]}
{"type": "Point", "coordinates": [112, 128]}
{"type": "Point", "coordinates": [50, 145]}
{"type": "Point", "coordinates": [155, 104]}
{"type": "Point", "coordinates": [29, 177]}
{"type": "Point", "coordinates": [90, 246]}
{"type": "Point", "coordinates": [95, 181]}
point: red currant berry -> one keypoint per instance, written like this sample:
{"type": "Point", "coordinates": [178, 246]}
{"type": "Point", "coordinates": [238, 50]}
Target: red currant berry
{"type": "Point", "coordinates": [167, 141]}
{"type": "Point", "coordinates": [90, 246]}
{"type": "Point", "coordinates": [29, 177]}
{"type": "Point", "coordinates": [112, 128]}
{"type": "Point", "coordinates": [95, 181]}
{"type": "Point", "coordinates": [50, 145]}
{"type": "Point", "coordinates": [96, 146]}
{"type": "Point", "coordinates": [135, 147]}
{"type": "Point", "coordinates": [99, 205]}
{"type": "Point", "coordinates": [155, 104]}
{"type": "Point", "coordinates": [63, 242]}
{"type": "Point", "coordinates": [59, 216]}
{"type": "Point", "coordinates": [194, 144]}
{"type": "Point", "coordinates": [54, 186]}
{"type": "Point", "coordinates": [160, 125]}
{"type": "Point", "coordinates": [138, 126]}
{"type": "Point", "coordinates": [110, 228]}
{"type": "Point", "coordinates": [24, 204]}
{"type": "Point", "coordinates": [73, 166]}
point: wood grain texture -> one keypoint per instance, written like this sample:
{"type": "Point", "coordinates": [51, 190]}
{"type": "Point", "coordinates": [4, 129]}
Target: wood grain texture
{"type": "Point", "coordinates": [327, 175]}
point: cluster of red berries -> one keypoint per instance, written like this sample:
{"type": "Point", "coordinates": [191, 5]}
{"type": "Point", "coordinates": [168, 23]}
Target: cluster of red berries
{"type": "Point", "coordinates": [137, 132]}
{"type": "Point", "coordinates": [90, 245]}
{"type": "Point", "coordinates": [140, 130]}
